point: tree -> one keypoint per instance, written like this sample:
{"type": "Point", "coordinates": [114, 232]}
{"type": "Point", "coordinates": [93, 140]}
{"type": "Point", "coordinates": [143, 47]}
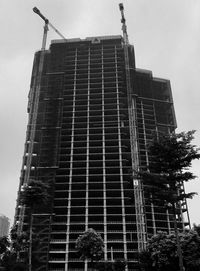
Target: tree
{"type": "Point", "coordinates": [20, 242]}
{"type": "Point", "coordinates": [191, 249]}
{"type": "Point", "coordinates": [33, 194]}
{"type": "Point", "coordinates": [11, 246]}
{"type": "Point", "coordinates": [196, 228]}
{"type": "Point", "coordinates": [4, 244]}
{"type": "Point", "coordinates": [90, 245]}
{"type": "Point", "coordinates": [8, 251]}
{"type": "Point", "coordinates": [161, 253]}
{"type": "Point", "coordinates": [4, 248]}
{"type": "Point", "coordinates": [170, 158]}
{"type": "Point", "coordinates": [10, 262]}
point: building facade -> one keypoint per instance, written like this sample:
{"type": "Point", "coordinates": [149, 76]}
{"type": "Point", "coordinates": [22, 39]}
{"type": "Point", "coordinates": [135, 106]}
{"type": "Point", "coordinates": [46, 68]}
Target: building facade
{"type": "Point", "coordinates": [4, 225]}
{"type": "Point", "coordinates": [91, 117]}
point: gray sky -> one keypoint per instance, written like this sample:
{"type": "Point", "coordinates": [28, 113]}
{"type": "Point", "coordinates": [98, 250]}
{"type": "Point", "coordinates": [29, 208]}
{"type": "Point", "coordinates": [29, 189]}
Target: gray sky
{"type": "Point", "coordinates": [166, 36]}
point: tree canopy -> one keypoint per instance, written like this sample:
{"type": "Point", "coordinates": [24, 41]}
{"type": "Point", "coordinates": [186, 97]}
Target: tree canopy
{"type": "Point", "coordinates": [171, 156]}
{"type": "Point", "coordinates": [90, 245]}
{"type": "Point", "coordinates": [4, 244]}
{"type": "Point", "coordinates": [9, 248]}
{"type": "Point", "coordinates": [170, 159]}
{"type": "Point", "coordinates": [34, 193]}
{"type": "Point", "coordinates": [15, 245]}
{"type": "Point", "coordinates": [161, 252]}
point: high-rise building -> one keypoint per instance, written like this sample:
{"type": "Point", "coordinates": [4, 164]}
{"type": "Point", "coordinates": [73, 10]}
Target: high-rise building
{"type": "Point", "coordinates": [4, 225]}
{"type": "Point", "coordinates": [91, 116]}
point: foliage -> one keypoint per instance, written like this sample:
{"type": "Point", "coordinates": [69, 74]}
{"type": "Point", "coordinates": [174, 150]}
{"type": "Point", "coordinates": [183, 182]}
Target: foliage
{"type": "Point", "coordinates": [171, 156]}
{"type": "Point", "coordinates": [17, 247]}
{"type": "Point", "coordinates": [161, 253]}
{"type": "Point", "coordinates": [13, 246]}
{"type": "Point", "coordinates": [4, 244]}
{"type": "Point", "coordinates": [196, 228]}
{"type": "Point", "coordinates": [90, 245]}
{"type": "Point", "coordinates": [190, 243]}
{"type": "Point", "coordinates": [20, 242]}
{"type": "Point", "coordinates": [8, 253]}
{"type": "Point", "coordinates": [10, 262]}
{"type": "Point", "coordinates": [35, 193]}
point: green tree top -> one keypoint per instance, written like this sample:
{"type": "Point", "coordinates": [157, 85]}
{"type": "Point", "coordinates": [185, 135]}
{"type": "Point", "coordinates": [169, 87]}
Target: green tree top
{"type": "Point", "coordinates": [170, 158]}
{"type": "Point", "coordinates": [90, 245]}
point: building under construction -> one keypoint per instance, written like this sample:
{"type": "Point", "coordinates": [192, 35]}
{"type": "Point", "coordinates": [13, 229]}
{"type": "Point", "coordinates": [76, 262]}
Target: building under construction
{"type": "Point", "coordinates": [91, 116]}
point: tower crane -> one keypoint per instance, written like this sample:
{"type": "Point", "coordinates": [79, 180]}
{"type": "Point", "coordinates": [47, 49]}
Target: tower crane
{"type": "Point", "coordinates": [124, 27]}
{"type": "Point", "coordinates": [47, 23]}
{"type": "Point", "coordinates": [36, 87]}
{"type": "Point", "coordinates": [137, 186]}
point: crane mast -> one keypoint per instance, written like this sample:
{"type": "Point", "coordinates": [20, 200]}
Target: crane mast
{"type": "Point", "coordinates": [124, 27]}
{"type": "Point", "coordinates": [36, 87]}
{"type": "Point", "coordinates": [138, 192]}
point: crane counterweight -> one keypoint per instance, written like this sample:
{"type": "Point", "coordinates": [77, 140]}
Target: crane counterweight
{"type": "Point", "coordinates": [121, 7]}
{"type": "Point", "coordinates": [37, 11]}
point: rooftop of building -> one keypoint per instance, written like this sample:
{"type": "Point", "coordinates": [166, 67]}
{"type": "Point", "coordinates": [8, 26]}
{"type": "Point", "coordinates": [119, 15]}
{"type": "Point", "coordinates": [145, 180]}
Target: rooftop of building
{"type": "Point", "coordinates": [99, 39]}
{"type": "Point", "coordinates": [95, 39]}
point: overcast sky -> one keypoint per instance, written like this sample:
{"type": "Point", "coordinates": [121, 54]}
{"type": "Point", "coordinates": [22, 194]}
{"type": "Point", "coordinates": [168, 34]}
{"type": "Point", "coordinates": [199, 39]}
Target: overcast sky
{"type": "Point", "coordinates": [166, 36]}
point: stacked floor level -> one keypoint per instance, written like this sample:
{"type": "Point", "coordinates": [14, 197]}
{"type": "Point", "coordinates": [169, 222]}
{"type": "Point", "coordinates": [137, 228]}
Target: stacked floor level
{"type": "Point", "coordinates": [80, 129]}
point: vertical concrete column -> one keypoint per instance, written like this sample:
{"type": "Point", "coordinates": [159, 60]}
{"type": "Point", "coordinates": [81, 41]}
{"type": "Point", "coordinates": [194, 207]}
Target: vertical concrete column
{"type": "Point", "coordinates": [120, 158]}
{"type": "Point", "coordinates": [71, 166]}
{"type": "Point", "coordinates": [104, 158]}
